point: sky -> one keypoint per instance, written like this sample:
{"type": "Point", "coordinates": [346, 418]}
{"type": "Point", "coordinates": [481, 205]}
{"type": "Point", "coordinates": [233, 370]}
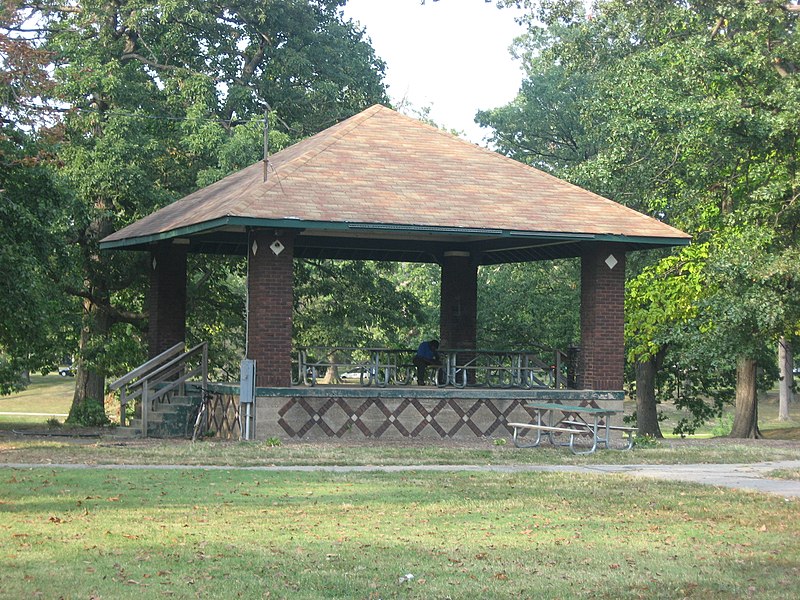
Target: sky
{"type": "Point", "coordinates": [451, 56]}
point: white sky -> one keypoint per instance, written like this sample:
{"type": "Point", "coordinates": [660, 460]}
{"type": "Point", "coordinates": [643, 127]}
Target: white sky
{"type": "Point", "coordinates": [451, 56]}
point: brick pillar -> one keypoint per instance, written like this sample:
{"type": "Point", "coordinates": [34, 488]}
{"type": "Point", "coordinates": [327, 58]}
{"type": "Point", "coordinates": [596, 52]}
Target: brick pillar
{"type": "Point", "coordinates": [269, 305]}
{"type": "Point", "coordinates": [459, 303]}
{"type": "Point", "coordinates": [167, 297]}
{"type": "Point", "coordinates": [601, 360]}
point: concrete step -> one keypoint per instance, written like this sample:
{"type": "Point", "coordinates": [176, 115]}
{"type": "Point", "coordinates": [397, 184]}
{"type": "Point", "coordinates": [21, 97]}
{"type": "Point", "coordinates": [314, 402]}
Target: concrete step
{"type": "Point", "coordinates": [168, 419]}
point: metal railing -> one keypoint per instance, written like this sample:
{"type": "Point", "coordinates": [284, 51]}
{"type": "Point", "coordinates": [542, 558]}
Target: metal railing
{"type": "Point", "coordinates": [160, 377]}
{"type": "Point", "coordinates": [367, 366]}
{"type": "Point", "coordinates": [535, 368]}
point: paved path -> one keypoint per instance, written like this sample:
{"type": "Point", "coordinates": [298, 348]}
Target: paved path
{"type": "Point", "coordinates": [738, 476]}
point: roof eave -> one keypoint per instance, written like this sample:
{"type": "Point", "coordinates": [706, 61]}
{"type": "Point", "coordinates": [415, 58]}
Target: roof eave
{"type": "Point", "coordinates": [141, 242]}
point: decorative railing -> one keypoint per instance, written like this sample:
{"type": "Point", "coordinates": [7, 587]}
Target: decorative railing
{"type": "Point", "coordinates": [536, 368]}
{"type": "Point", "coordinates": [220, 415]}
{"type": "Point", "coordinates": [159, 378]}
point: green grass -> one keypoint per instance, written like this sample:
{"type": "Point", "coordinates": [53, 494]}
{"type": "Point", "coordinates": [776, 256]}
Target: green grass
{"type": "Point", "coordinates": [77, 533]}
{"type": "Point", "coordinates": [793, 474]}
{"type": "Point", "coordinates": [49, 394]}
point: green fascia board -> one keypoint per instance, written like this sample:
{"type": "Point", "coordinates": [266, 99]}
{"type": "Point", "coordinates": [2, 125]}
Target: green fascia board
{"type": "Point", "coordinates": [654, 241]}
{"type": "Point", "coordinates": [290, 223]}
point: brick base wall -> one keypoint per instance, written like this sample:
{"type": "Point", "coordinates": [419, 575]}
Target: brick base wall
{"type": "Point", "coordinates": [393, 414]}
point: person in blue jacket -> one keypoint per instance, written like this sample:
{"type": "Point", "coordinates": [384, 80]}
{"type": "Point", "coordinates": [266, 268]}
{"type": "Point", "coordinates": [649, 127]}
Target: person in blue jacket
{"type": "Point", "coordinates": [427, 354]}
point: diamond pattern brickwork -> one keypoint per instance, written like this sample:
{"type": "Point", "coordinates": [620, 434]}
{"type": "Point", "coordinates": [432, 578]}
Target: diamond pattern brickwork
{"type": "Point", "coordinates": [300, 417]}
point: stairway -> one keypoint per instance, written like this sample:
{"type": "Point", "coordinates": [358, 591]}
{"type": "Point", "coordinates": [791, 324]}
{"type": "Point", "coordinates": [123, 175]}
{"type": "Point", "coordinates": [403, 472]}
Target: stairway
{"type": "Point", "coordinates": [165, 393]}
{"type": "Point", "coordinates": [172, 419]}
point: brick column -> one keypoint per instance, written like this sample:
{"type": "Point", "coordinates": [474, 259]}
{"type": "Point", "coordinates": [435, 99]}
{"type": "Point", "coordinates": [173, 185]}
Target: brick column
{"type": "Point", "coordinates": [167, 297]}
{"type": "Point", "coordinates": [602, 355]}
{"type": "Point", "coordinates": [270, 258]}
{"type": "Point", "coordinates": [459, 301]}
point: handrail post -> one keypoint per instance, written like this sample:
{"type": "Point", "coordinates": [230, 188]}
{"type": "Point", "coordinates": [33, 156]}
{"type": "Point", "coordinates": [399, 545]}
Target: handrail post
{"type": "Point", "coordinates": [205, 367]}
{"type": "Point", "coordinates": [123, 404]}
{"type": "Point", "coordinates": [145, 406]}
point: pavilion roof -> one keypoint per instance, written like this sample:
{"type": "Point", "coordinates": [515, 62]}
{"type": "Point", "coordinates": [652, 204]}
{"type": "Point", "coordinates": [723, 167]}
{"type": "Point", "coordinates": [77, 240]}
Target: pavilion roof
{"type": "Point", "coordinates": [381, 182]}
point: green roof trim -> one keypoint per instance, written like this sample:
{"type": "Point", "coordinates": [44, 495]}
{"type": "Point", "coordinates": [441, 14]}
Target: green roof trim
{"type": "Point", "coordinates": [292, 223]}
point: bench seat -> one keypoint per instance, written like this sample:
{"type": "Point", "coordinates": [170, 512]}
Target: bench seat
{"type": "Point", "coordinates": [572, 432]}
{"type": "Point", "coordinates": [629, 431]}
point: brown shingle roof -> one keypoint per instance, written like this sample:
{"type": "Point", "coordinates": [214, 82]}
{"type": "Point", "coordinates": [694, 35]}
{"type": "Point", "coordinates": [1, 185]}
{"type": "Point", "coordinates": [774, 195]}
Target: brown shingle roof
{"type": "Point", "coordinates": [382, 168]}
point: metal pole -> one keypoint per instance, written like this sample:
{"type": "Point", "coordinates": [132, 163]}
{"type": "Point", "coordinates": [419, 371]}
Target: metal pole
{"type": "Point", "coordinates": [266, 144]}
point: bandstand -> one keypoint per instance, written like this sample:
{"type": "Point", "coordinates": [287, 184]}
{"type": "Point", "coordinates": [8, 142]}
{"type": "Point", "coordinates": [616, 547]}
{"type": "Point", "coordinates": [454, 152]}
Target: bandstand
{"type": "Point", "coordinates": [382, 186]}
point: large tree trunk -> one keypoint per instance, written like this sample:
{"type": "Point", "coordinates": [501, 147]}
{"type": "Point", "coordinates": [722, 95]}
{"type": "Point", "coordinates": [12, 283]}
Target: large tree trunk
{"type": "Point", "coordinates": [785, 364]}
{"type": "Point", "coordinates": [89, 383]}
{"type": "Point", "coordinates": [646, 405]}
{"type": "Point", "coordinates": [745, 420]}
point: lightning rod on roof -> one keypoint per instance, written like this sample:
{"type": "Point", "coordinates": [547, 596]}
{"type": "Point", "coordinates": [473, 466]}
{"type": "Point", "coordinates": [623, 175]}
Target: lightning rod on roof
{"type": "Point", "coordinates": [266, 143]}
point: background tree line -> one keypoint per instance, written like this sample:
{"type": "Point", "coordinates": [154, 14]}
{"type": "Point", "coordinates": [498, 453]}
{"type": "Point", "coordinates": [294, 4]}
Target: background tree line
{"type": "Point", "coordinates": [109, 110]}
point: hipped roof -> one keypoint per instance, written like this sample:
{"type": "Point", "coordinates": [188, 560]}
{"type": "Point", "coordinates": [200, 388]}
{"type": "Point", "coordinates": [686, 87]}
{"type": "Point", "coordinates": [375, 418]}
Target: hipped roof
{"type": "Point", "coordinates": [384, 186]}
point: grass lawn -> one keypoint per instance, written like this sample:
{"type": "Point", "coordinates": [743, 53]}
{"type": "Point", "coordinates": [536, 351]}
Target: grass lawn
{"type": "Point", "coordinates": [104, 533]}
{"type": "Point", "coordinates": [48, 395]}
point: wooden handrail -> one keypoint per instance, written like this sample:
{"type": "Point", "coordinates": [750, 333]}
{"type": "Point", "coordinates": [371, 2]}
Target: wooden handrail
{"type": "Point", "coordinates": [168, 368]}
{"type": "Point", "coordinates": [148, 366]}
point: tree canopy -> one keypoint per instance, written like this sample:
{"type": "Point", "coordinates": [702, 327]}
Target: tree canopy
{"type": "Point", "coordinates": [144, 102]}
{"type": "Point", "coordinates": [685, 112]}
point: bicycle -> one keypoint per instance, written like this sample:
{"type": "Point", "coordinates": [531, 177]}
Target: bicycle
{"type": "Point", "coordinates": [201, 419]}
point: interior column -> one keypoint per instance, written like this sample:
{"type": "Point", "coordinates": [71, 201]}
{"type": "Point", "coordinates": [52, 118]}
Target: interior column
{"type": "Point", "coordinates": [459, 303]}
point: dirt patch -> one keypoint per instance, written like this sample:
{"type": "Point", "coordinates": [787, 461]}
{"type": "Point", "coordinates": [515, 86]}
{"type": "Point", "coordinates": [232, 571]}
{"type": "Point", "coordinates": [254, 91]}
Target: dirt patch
{"type": "Point", "coordinates": [105, 437]}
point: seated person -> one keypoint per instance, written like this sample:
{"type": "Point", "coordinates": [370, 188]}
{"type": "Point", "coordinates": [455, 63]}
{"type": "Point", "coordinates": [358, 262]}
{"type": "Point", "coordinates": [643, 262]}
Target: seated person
{"type": "Point", "coordinates": [427, 354]}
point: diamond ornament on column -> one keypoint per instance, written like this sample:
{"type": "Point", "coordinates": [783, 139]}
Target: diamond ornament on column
{"type": "Point", "coordinates": [276, 247]}
{"type": "Point", "coordinates": [255, 247]}
{"type": "Point", "coordinates": [154, 263]}
{"type": "Point", "coordinates": [611, 261]}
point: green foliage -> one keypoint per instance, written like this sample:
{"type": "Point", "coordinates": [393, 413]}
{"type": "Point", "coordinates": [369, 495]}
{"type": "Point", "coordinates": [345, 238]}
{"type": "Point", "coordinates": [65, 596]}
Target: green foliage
{"type": "Point", "coordinates": [364, 304]}
{"type": "Point", "coordinates": [646, 441]}
{"type": "Point", "coordinates": [662, 299]}
{"type": "Point", "coordinates": [272, 442]}
{"type": "Point", "coordinates": [723, 426]}
{"type": "Point", "coordinates": [37, 328]}
{"type": "Point", "coordinates": [520, 305]}
{"type": "Point", "coordinates": [165, 97]}
{"type": "Point", "coordinates": [685, 112]}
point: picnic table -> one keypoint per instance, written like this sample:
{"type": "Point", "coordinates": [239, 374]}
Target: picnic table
{"type": "Point", "coordinates": [576, 421]}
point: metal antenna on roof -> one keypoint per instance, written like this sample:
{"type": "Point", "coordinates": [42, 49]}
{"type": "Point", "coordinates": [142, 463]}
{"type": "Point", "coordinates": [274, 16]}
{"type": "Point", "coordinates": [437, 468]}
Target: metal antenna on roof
{"type": "Point", "coordinates": [266, 143]}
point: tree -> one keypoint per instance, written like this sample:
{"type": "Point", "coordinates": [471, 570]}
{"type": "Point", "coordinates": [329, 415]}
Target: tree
{"type": "Point", "coordinates": [35, 327]}
{"type": "Point", "coordinates": [160, 97]}
{"type": "Point", "coordinates": [660, 302]}
{"type": "Point", "coordinates": [681, 111]}
{"type": "Point", "coordinates": [521, 304]}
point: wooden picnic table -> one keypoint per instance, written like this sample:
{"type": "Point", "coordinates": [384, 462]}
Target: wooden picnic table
{"type": "Point", "coordinates": [576, 421]}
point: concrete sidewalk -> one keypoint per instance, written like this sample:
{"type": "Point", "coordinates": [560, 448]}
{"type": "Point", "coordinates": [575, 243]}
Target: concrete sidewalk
{"type": "Point", "coordinates": [737, 476]}
{"type": "Point", "coordinates": [750, 477]}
